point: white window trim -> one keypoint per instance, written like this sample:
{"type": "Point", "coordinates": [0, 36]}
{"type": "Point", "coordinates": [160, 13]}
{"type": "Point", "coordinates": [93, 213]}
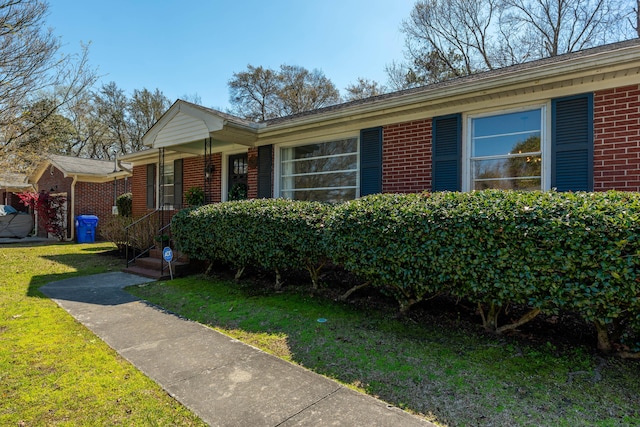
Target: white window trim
{"type": "Point", "coordinates": [277, 159]}
{"type": "Point", "coordinates": [545, 145]}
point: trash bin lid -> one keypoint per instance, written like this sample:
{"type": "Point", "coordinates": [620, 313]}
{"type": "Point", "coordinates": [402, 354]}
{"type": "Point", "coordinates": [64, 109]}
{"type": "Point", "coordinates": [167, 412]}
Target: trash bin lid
{"type": "Point", "coordinates": [87, 219]}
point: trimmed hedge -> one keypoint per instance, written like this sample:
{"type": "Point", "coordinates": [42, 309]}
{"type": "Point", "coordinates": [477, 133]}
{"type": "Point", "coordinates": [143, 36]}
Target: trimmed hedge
{"type": "Point", "coordinates": [547, 251]}
{"type": "Point", "coordinates": [275, 234]}
{"type": "Point", "coordinates": [544, 251]}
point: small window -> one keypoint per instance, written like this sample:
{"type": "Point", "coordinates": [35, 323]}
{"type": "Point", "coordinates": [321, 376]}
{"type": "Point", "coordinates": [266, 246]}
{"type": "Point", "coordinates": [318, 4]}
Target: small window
{"type": "Point", "coordinates": [506, 151]}
{"type": "Point", "coordinates": [168, 185]}
{"type": "Point", "coordinates": [326, 172]}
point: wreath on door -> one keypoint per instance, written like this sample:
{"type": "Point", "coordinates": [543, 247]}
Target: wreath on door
{"type": "Point", "coordinates": [238, 191]}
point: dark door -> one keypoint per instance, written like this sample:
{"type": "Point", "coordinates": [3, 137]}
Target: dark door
{"type": "Point", "coordinates": [238, 168]}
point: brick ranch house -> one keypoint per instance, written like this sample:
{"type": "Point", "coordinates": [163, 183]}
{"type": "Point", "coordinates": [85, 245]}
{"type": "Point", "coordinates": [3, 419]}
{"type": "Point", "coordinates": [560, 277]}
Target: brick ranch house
{"type": "Point", "coordinates": [571, 122]}
{"type": "Point", "coordinates": [90, 186]}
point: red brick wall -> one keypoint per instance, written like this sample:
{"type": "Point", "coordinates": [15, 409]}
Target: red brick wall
{"type": "Point", "coordinates": [216, 181]}
{"type": "Point", "coordinates": [406, 157]}
{"type": "Point", "coordinates": [617, 139]}
{"type": "Point", "coordinates": [192, 175]}
{"type": "Point", "coordinates": [93, 198]}
{"type": "Point", "coordinates": [139, 191]}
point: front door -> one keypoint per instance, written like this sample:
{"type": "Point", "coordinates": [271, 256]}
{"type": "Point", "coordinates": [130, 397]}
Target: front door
{"type": "Point", "coordinates": [238, 168]}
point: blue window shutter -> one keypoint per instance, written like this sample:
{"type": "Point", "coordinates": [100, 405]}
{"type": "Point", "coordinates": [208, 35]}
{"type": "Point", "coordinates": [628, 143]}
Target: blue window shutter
{"type": "Point", "coordinates": [572, 143]}
{"type": "Point", "coordinates": [265, 156]}
{"type": "Point", "coordinates": [370, 161]}
{"type": "Point", "coordinates": [447, 153]}
{"type": "Point", "coordinates": [151, 186]}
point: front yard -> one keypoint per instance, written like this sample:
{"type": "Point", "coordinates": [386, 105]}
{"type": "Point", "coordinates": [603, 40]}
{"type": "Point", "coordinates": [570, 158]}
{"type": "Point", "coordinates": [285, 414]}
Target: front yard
{"type": "Point", "coordinates": [54, 371]}
{"type": "Point", "coordinates": [443, 367]}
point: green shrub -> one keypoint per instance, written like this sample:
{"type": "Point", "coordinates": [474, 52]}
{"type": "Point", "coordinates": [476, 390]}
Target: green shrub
{"type": "Point", "coordinates": [546, 251]}
{"type": "Point", "coordinates": [194, 196]}
{"type": "Point", "coordinates": [274, 234]}
{"type": "Point", "coordinates": [124, 202]}
{"type": "Point", "coordinates": [387, 240]}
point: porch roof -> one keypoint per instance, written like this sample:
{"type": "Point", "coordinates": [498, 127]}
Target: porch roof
{"type": "Point", "coordinates": [14, 182]}
{"type": "Point", "coordinates": [87, 170]}
{"type": "Point", "coordinates": [185, 126]}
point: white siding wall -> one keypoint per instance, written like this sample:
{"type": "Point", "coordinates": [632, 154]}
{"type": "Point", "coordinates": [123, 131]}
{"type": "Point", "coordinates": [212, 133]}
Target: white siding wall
{"type": "Point", "coordinates": [182, 128]}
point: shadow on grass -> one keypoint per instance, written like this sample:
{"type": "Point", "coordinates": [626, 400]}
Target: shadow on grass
{"type": "Point", "coordinates": [77, 262]}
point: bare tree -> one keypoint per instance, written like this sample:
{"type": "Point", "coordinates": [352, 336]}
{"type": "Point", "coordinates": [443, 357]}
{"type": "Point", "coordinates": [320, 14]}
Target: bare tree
{"type": "Point", "coordinates": [144, 109]}
{"type": "Point", "coordinates": [111, 104]}
{"type": "Point", "coordinates": [254, 93]}
{"type": "Point", "coordinates": [260, 93]}
{"type": "Point", "coordinates": [452, 38]}
{"type": "Point", "coordinates": [90, 135]}
{"type": "Point", "coordinates": [304, 90]}
{"type": "Point", "coordinates": [552, 27]}
{"type": "Point", "coordinates": [30, 66]}
{"type": "Point", "coordinates": [363, 88]}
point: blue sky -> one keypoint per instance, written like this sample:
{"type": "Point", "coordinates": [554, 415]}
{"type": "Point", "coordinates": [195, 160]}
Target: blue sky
{"type": "Point", "coordinates": [194, 47]}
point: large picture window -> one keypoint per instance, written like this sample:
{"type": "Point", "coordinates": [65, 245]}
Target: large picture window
{"type": "Point", "coordinates": [506, 150]}
{"type": "Point", "coordinates": [326, 172]}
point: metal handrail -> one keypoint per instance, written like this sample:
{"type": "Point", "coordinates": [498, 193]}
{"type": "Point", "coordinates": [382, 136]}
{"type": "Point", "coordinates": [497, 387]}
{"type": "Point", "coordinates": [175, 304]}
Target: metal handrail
{"type": "Point", "coordinates": [129, 243]}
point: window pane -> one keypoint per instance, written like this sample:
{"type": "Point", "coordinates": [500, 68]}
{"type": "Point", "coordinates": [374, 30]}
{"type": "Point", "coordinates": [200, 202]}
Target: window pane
{"type": "Point", "coordinates": [520, 121]}
{"type": "Point", "coordinates": [511, 167]}
{"type": "Point", "coordinates": [506, 151]}
{"type": "Point", "coordinates": [328, 196]}
{"type": "Point", "coordinates": [507, 144]}
{"type": "Point", "coordinates": [323, 149]}
{"type": "Point", "coordinates": [321, 180]}
{"type": "Point", "coordinates": [520, 184]}
{"type": "Point", "coordinates": [167, 184]}
{"type": "Point", "coordinates": [325, 171]}
{"type": "Point", "coordinates": [341, 162]}
{"type": "Point", "coordinates": [506, 134]}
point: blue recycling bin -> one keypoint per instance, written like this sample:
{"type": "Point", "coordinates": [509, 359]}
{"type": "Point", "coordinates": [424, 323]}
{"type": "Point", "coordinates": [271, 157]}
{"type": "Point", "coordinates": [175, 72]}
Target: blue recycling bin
{"type": "Point", "coordinates": [86, 228]}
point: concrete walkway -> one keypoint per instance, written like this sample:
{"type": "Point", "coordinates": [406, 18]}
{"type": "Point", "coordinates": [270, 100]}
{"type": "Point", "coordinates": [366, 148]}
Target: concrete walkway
{"type": "Point", "coordinates": [223, 381]}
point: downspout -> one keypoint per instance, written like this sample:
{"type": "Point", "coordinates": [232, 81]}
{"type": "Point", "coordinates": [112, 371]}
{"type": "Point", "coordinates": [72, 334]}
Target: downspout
{"type": "Point", "coordinates": [73, 207]}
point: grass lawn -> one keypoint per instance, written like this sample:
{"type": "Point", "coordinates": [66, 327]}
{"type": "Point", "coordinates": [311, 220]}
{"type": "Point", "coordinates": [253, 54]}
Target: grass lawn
{"type": "Point", "coordinates": [54, 371]}
{"type": "Point", "coordinates": [447, 370]}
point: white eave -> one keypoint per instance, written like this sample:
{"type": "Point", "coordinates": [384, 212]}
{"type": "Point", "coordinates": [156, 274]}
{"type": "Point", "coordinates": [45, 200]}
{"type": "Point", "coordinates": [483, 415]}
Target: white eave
{"type": "Point", "coordinates": [590, 70]}
{"type": "Point", "coordinates": [185, 126]}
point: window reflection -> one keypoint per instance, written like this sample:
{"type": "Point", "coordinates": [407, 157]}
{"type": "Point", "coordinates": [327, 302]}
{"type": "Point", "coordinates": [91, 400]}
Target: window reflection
{"type": "Point", "coordinates": [506, 151]}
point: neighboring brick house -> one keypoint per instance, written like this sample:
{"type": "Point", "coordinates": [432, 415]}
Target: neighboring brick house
{"type": "Point", "coordinates": [90, 186]}
{"type": "Point", "coordinates": [10, 185]}
{"type": "Point", "coordinates": [570, 122]}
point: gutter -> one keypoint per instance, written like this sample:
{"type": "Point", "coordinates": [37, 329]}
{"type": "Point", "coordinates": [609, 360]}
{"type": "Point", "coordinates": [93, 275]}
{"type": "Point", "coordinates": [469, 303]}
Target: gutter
{"type": "Point", "coordinates": [73, 206]}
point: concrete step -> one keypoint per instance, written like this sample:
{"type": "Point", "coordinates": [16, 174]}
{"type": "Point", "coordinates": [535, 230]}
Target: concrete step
{"type": "Point", "coordinates": [154, 267]}
{"type": "Point", "coordinates": [145, 272]}
{"type": "Point", "coordinates": [177, 255]}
